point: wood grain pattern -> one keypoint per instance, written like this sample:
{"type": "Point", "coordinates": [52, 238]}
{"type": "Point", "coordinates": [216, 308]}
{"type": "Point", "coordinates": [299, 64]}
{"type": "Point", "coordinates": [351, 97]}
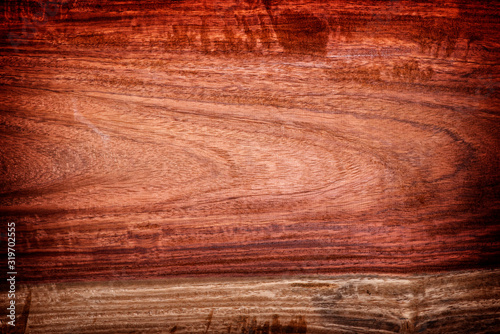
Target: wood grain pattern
{"type": "Point", "coordinates": [462, 302]}
{"type": "Point", "coordinates": [137, 155]}
{"type": "Point", "coordinates": [153, 139]}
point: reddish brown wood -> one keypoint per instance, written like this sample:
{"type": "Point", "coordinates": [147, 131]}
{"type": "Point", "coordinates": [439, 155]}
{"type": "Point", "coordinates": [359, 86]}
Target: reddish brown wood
{"type": "Point", "coordinates": [144, 140]}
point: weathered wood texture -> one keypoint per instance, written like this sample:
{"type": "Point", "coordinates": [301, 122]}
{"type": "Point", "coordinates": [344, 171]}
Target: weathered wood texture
{"type": "Point", "coordinates": [465, 302]}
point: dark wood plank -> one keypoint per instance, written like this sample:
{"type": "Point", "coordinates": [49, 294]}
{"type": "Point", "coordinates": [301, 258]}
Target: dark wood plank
{"type": "Point", "coordinates": [459, 302]}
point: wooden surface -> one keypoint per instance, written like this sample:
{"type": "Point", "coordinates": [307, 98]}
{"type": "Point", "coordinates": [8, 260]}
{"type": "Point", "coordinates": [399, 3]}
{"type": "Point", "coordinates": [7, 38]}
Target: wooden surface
{"type": "Point", "coordinates": [462, 302]}
{"type": "Point", "coordinates": [148, 140]}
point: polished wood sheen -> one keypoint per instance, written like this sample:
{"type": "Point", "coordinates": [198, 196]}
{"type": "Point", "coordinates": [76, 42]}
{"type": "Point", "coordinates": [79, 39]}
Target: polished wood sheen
{"type": "Point", "coordinates": [199, 141]}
